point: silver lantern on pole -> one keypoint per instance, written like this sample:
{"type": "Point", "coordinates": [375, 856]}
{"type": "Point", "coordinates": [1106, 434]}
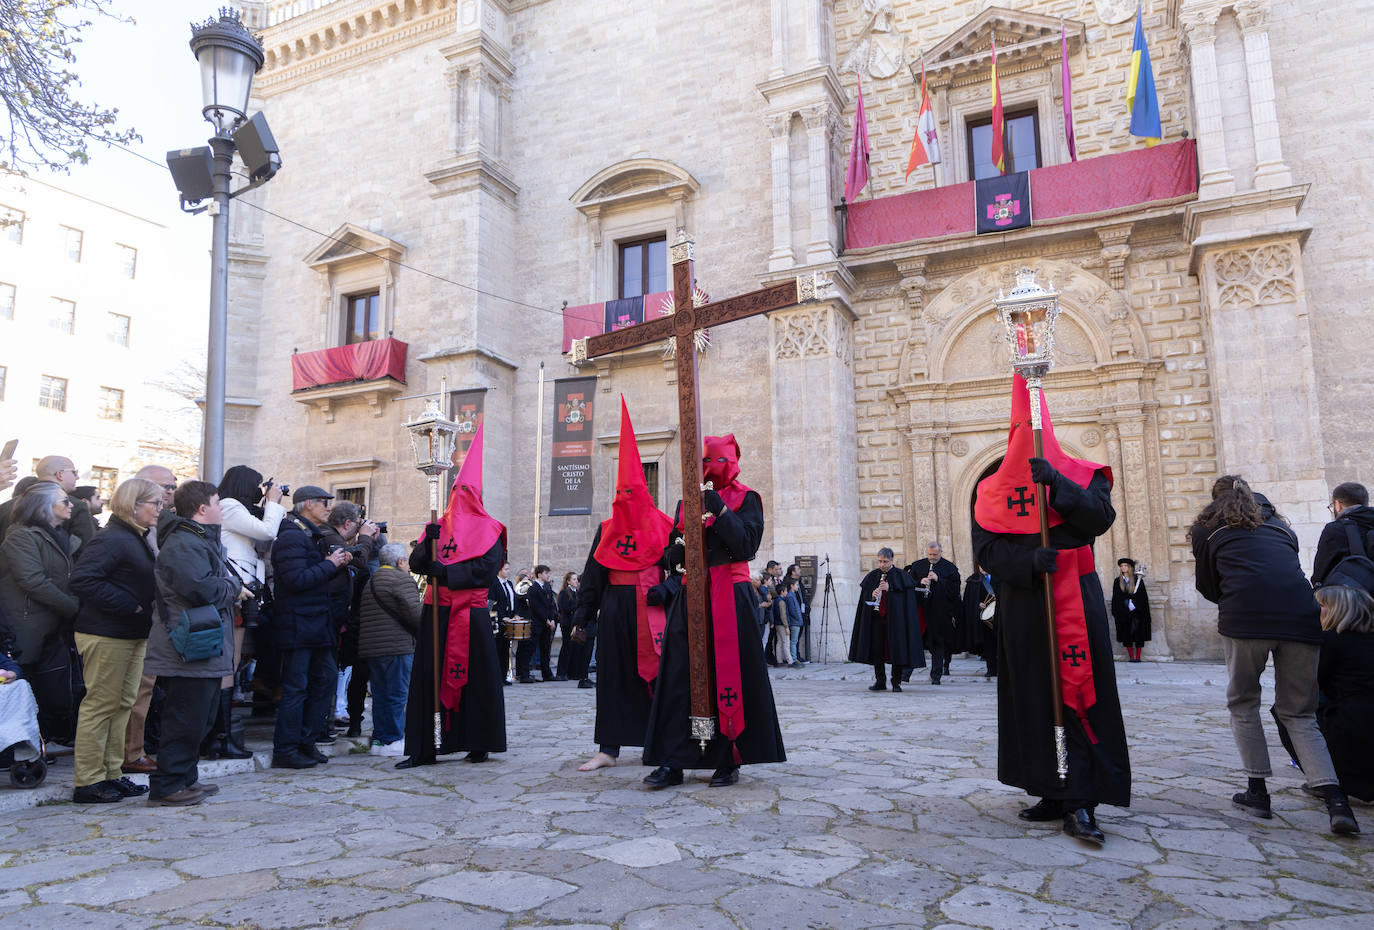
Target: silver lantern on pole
{"type": "Point", "coordinates": [1029, 313]}
{"type": "Point", "coordinates": [433, 438]}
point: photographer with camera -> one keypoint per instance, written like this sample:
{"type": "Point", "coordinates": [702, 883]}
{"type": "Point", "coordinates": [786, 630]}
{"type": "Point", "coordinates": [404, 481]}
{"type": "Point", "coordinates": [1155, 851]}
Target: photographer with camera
{"type": "Point", "coordinates": [347, 529]}
{"type": "Point", "coordinates": [303, 628]}
{"type": "Point", "coordinates": [252, 513]}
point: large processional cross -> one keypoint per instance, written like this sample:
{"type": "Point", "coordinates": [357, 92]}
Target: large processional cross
{"type": "Point", "coordinates": [692, 312]}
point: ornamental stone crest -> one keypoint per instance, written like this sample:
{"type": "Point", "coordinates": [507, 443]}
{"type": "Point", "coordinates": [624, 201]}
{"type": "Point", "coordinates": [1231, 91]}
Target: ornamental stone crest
{"type": "Point", "coordinates": [1115, 11]}
{"type": "Point", "coordinates": [881, 49]}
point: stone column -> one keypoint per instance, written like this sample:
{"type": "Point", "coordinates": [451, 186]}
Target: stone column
{"type": "Point", "coordinates": [1200, 33]}
{"type": "Point", "coordinates": [782, 256]}
{"type": "Point", "coordinates": [818, 120]}
{"type": "Point", "coordinates": [815, 451]}
{"type": "Point", "coordinates": [1270, 169]}
{"type": "Point", "coordinates": [779, 65]}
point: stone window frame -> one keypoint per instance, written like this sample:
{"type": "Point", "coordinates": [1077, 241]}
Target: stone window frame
{"type": "Point", "coordinates": [1041, 96]}
{"type": "Point", "coordinates": [352, 261]}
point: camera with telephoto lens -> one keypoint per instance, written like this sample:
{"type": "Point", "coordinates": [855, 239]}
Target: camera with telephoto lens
{"type": "Point", "coordinates": [381, 524]}
{"type": "Point", "coordinates": [358, 553]}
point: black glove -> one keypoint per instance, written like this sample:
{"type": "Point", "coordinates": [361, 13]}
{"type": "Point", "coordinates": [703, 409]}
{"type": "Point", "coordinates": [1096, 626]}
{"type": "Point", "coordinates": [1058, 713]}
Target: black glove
{"type": "Point", "coordinates": [674, 557]}
{"type": "Point", "coordinates": [578, 634]}
{"type": "Point", "coordinates": [432, 531]}
{"type": "Point", "coordinates": [1042, 472]}
{"type": "Point", "coordinates": [712, 502]}
{"type": "Point", "coordinates": [1045, 561]}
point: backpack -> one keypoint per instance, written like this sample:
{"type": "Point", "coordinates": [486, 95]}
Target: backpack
{"type": "Point", "coordinates": [1355, 570]}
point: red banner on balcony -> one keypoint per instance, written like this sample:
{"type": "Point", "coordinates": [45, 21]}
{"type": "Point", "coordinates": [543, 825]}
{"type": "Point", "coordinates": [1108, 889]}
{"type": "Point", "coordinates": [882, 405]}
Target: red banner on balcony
{"type": "Point", "coordinates": [361, 361]}
{"type": "Point", "coordinates": [591, 319]}
{"type": "Point", "coordinates": [1103, 184]}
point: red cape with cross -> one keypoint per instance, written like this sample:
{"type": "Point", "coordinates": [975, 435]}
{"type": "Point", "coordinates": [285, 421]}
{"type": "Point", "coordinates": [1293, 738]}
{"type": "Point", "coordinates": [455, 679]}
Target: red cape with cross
{"type": "Point", "coordinates": [632, 542]}
{"type": "Point", "coordinates": [466, 531]}
{"type": "Point", "coordinates": [1006, 504]}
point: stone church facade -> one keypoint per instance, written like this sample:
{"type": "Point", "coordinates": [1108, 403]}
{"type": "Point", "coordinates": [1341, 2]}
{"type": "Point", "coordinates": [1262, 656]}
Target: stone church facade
{"type": "Point", "coordinates": [478, 164]}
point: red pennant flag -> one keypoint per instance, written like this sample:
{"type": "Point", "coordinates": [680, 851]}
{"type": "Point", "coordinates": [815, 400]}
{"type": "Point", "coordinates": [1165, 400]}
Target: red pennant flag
{"type": "Point", "coordinates": [999, 126]}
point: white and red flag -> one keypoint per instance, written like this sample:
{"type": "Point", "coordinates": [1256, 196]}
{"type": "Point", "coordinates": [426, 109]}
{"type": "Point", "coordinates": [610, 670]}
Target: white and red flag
{"type": "Point", "coordinates": [925, 146]}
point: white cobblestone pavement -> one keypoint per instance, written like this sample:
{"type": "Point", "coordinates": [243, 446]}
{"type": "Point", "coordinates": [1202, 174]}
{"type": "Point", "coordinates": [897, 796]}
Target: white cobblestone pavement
{"type": "Point", "coordinates": [888, 813]}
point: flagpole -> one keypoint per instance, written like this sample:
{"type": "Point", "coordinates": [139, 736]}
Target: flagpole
{"type": "Point", "coordinates": [538, 460]}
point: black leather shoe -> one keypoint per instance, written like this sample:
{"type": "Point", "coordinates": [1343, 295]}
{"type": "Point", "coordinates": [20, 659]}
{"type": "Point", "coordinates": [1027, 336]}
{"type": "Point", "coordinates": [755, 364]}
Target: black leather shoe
{"type": "Point", "coordinates": [99, 793]}
{"type": "Point", "coordinates": [292, 760]}
{"type": "Point", "coordinates": [725, 775]}
{"type": "Point", "coordinates": [525, 680]}
{"type": "Point", "coordinates": [877, 686]}
{"type": "Point", "coordinates": [413, 763]}
{"type": "Point", "coordinates": [1255, 803]}
{"type": "Point", "coordinates": [127, 787]}
{"type": "Point", "coordinates": [477, 757]}
{"type": "Point", "coordinates": [1043, 811]}
{"type": "Point", "coordinates": [1080, 824]}
{"type": "Point", "coordinates": [586, 683]}
{"type": "Point", "coordinates": [310, 752]}
{"type": "Point", "coordinates": [1343, 822]}
{"type": "Point", "coordinates": [896, 686]}
{"type": "Point", "coordinates": [662, 777]}
{"type": "Point", "coordinates": [935, 681]}
{"type": "Point", "coordinates": [560, 678]}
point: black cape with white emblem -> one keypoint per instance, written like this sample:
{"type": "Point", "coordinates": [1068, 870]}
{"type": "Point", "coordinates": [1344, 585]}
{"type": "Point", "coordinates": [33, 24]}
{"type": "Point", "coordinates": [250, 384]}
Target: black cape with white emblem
{"type": "Point", "coordinates": [894, 638]}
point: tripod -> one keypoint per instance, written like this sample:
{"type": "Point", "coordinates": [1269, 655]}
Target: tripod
{"type": "Point", "coordinates": [827, 597]}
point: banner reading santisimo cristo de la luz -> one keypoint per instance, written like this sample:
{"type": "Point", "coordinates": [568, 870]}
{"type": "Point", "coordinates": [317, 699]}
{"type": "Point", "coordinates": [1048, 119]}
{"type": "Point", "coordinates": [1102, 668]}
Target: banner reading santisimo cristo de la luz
{"type": "Point", "coordinates": [570, 490]}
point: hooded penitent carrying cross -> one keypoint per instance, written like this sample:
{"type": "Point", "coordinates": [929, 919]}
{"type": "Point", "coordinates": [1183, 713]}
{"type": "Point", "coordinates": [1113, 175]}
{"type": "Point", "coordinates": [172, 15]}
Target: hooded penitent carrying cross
{"type": "Point", "coordinates": [681, 327]}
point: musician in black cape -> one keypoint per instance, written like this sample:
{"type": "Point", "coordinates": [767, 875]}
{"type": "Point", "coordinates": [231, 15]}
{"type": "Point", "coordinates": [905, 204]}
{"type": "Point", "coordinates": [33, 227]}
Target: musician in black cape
{"type": "Point", "coordinates": [1006, 542]}
{"type": "Point", "coordinates": [748, 720]}
{"type": "Point", "coordinates": [471, 550]}
{"type": "Point", "coordinates": [940, 606]}
{"type": "Point", "coordinates": [891, 630]}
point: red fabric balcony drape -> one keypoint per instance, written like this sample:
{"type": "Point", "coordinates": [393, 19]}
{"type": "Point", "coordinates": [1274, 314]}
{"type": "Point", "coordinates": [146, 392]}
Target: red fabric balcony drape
{"type": "Point", "coordinates": [362, 361]}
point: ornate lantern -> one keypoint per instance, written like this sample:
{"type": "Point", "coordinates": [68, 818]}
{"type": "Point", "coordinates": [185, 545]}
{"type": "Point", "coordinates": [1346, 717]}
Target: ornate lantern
{"type": "Point", "coordinates": [433, 438]}
{"type": "Point", "coordinates": [229, 56]}
{"type": "Point", "coordinates": [1029, 313]}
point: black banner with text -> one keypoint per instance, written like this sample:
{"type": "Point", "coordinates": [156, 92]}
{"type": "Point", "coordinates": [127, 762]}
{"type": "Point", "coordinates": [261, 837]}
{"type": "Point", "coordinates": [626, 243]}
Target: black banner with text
{"type": "Point", "coordinates": [570, 489]}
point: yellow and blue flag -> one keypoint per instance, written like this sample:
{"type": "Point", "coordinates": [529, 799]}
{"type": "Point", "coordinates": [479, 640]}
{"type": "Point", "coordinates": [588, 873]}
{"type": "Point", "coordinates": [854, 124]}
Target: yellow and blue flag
{"type": "Point", "coordinates": [1140, 93]}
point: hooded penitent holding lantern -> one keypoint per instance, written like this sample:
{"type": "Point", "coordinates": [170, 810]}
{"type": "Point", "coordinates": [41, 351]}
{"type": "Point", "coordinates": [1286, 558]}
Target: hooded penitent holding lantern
{"type": "Point", "coordinates": [469, 546]}
{"type": "Point", "coordinates": [1007, 543]}
{"type": "Point", "coordinates": [748, 720]}
{"type": "Point", "coordinates": [621, 569]}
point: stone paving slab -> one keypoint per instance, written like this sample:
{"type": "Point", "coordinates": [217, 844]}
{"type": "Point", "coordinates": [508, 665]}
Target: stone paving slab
{"type": "Point", "coordinates": [887, 814]}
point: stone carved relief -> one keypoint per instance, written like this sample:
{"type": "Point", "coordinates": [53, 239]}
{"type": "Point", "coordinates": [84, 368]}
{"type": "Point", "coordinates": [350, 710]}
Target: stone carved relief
{"type": "Point", "coordinates": [881, 50]}
{"type": "Point", "coordinates": [1090, 438]}
{"type": "Point", "coordinates": [1255, 277]}
{"type": "Point", "coordinates": [810, 333]}
{"type": "Point", "coordinates": [1114, 11]}
{"type": "Point", "coordinates": [958, 448]}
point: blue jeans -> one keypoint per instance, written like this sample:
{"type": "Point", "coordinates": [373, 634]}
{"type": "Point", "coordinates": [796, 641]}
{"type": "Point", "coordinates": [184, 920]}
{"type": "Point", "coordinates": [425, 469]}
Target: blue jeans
{"type": "Point", "coordinates": [794, 633]}
{"type": "Point", "coordinates": [390, 682]}
{"type": "Point", "coordinates": [307, 694]}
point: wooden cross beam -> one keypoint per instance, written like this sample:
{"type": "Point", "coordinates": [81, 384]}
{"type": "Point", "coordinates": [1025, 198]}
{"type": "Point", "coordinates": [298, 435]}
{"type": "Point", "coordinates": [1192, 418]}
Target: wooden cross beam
{"type": "Point", "coordinates": [681, 327]}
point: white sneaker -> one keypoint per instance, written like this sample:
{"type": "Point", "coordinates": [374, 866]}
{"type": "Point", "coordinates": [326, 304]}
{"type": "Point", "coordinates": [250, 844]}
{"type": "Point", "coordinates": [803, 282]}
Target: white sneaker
{"type": "Point", "coordinates": [510, 679]}
{"type": "Point", "coordinates": [390, 749]}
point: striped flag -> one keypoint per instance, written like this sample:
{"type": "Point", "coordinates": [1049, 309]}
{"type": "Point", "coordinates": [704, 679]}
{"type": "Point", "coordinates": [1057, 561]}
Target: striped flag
{"type": "Point", "coordinates": [1067, 81]}
{"type": "Point", "coordinates": [999, 126]}
{"type": "Point", "coordinates": [857, 176]}
{"type": "Point", "coordinates": [1140, 89]}
{"type": "Point", "coordinates": [925, 145]}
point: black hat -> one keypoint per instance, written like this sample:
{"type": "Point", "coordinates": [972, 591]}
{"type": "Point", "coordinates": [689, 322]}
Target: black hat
{"type": "Point", "coordinates": [1123, 561]}
{"type": "Point", "coordinates": [310, 492]}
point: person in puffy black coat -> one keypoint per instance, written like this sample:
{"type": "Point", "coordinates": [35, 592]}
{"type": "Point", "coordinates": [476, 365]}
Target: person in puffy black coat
{"type": "Point", "coordinates": [114, 579]}
{"type": "Point", "coordinates": [1350, 507]}
{"type": "Point", "coordinates": [1247, 564]}
{"type": "Point", "coordinates": [303, 628]}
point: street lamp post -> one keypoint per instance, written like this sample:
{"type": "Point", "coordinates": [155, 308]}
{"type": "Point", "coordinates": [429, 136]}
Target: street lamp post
{"type": "Point", "coordinates": [229, 56]}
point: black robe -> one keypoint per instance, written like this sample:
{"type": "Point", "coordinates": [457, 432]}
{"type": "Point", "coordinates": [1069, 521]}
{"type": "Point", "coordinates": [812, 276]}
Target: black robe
{"type": "Point", "coordinates": [733, 537]}
{"type": "Point", "coordinates": [1132, 626]}
{"type": "Point", "coordinates": [608, 611]}
{"type": "Point", "coordinates": [895, 638]}
{"type": "Point", "coordinates": [1099, 772]}
{"type": "Point", "coordinates": [972, 633]}
{"type": "Point", "coordinates": [940, 605]}
{"type": "Point", "coordinates": [479, 723]}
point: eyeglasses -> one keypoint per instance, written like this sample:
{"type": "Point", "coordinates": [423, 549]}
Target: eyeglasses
{"type": "Point", "coordinates": [1331, 506]}
{"type": "Point", "coordinates": [169, 487]}
{"type": "Point", "coordinates": [155, 502]}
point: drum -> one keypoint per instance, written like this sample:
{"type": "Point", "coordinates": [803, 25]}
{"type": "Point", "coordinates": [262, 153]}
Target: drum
{"type": "Point", "coordinates": [989, 611]}
{"type": "Point", "coordinates": [516, 629]}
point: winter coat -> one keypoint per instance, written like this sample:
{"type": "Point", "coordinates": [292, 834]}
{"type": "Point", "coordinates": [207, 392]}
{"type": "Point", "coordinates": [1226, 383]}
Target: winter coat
{"type": "Point", "coordinates": [35, 588]}
{"type": "Point", "coordinates": [1254, 578]}
{"type": "Point", "coordinates": [1334, 543]}
{"type": "Point", "coordinates": [389, 619]}
{"type": "Point", "coordinates": [190, 573]}
{"type": "Point", "coordinates": [241, 532]}
{"type": "Point", "coordinates": [301, 576]}
{"type": "Point", "coordinates": [114, 579]}
{"type": "Point", "coordinates": [792, 600]}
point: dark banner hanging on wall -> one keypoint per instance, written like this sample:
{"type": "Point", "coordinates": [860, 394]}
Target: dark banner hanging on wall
{"type": "Point", "coordinates": [570, 490]}
{"type": "Point", "coordinates": [466, 408]}
{"type": "Point", "coordinates": [1003, 203]}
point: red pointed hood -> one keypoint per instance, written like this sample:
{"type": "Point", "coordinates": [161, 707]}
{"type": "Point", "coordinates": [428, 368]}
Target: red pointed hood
{"type": "Point", "coordinates": [720, 466]}
{"type": "Point", "coordinates": [1002, 505]}
{"type": "Point", "coordinates": [467, 531]}
{"type": "Point", "coordinates": [637, 532]}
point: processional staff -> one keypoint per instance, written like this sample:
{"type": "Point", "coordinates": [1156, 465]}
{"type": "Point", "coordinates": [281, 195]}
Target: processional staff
{"type": "Point", "coordinates": [1028, 313]}
{"type": "Point", "coordinates": [433, 437]}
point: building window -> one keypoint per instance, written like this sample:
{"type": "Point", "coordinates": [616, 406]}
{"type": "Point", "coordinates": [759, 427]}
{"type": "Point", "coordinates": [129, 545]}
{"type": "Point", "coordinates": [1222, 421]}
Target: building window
{"type": "Point", "coordinates": [12, 224]}
{"type": "Point", "coordinates": [4, 370]}
{"type": "Point", "coordinates": [353, 495]}
{"type": "Point", "coordinates": [128, 260]}
{"type": "Point", "coordinates": [643, 267]}
{"type": "Point", "coordinates": [63, 317]}
{"type": "Point", "coordinates": [52, 394]}
{"type": "Point", "coordinates": [1021, 143]}
{"type": "Point", "coordinates": [651, 479]}
{"type": "Point", "coordinates": [106, 479]}
{"type": "Point", "coordinates": [119, 329]}
{"type": "Point", "coordinates": [364, 317]}
{"type": "Point", "coordinates": [111, 405]}
{"type": "Point", "coordinates": [71, 239]}
{"type": "Point", "coordinates": [6, 301]}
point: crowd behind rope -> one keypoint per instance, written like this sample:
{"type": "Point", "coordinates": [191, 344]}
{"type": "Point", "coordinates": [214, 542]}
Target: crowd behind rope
{"type": "Point", "coordinates": [130, 641]}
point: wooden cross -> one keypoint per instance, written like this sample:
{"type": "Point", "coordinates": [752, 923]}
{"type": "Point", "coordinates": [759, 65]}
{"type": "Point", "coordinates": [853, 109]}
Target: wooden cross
{"type": "Point", "coordinates": [681, 326]}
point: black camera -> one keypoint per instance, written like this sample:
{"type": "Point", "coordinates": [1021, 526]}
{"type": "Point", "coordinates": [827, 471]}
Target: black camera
{"type": "Point", "coordinates": [358, 553]}
{"type": "Point", "coordinates": [381, 526]}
